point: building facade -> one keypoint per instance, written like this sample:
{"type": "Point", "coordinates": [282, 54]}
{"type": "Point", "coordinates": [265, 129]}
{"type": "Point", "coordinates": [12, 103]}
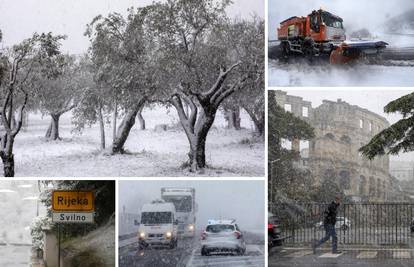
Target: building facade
{"type": "Point", "coordinates": [340, 130]}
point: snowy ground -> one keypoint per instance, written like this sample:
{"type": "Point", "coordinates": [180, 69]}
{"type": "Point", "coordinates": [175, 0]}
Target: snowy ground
{"type": "Point", "coordinates": [303, 74]}
{"type": "Point", "coordinates": [153, 153]}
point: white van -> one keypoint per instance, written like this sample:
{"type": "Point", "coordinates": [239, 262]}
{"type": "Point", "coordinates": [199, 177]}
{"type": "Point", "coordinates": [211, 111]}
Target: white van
{"type": "Point", "coordinates": [158, 225]}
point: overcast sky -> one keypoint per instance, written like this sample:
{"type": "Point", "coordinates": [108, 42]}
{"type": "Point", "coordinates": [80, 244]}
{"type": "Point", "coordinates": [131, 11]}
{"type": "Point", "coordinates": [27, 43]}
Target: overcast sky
{"type": "Point", "coordinates": [20, 18]}
{"type": "Point", "coordinates": [240, 200]}
{"type": "Point", "coordinates": [356, 14]}
{"type": "Point", "coordinates": [373, 100]}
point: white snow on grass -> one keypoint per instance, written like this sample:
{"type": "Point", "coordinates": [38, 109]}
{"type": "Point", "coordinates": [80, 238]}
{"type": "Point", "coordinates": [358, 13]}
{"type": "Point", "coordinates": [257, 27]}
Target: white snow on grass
{"type": "Point", "coordinates": [151, 152]}
{"type": "Point", "coordinates": [328, 75]}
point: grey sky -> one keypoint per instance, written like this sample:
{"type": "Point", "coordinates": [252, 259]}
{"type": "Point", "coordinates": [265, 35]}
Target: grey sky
{"type": "Point", "coordinates": [240, 200]}
{"type": "Point", "coordinates": [20, 18]}
{"type": "Point", "coordinates": [368, 14]}
{"type": "Point", "coordinates": [373, 100]}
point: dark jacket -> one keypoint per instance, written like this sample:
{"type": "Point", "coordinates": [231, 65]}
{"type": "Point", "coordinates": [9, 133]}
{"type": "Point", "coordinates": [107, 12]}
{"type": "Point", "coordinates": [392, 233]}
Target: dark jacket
{"type": "Point", "coordinates": [330, 214]}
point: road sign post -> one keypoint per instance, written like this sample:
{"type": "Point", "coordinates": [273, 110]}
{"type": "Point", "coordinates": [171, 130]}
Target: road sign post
{"type": "Point", "coordinates": [72, 207]}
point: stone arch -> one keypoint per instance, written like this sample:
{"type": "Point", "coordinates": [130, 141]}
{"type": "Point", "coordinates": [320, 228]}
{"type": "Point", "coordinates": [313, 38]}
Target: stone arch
{"type": "Point", "coordinates": [372, 186]}
{"type": "Point", "coordinates": [346, 139]}
{"type": "Point", "coordinates": [329, 174]}
{"type": "Point", "coordinates": [344, 180]}
{"type": "Point", "coordinates": [330, 136]}
{"type": "Point", "coordinates": [362, 185]}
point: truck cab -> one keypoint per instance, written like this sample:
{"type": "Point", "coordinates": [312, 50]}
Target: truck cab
{"type": "Point", "coordinates": [323, 26]}
{"type": "Point", "coordinates": [158, 226]}
{"type": "Point", "coordinates": [183, 200]}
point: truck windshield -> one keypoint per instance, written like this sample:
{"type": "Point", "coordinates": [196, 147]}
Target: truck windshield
{"type": "Point", "coordinates": [156, 217]}
{"type": "Point", "coordinates": [181, 203]}
{"type": "Point", "coordinates": [331, 21]}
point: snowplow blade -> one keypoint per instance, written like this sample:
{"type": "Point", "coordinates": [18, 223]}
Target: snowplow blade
{"type": "Point", "coordinates": [350, 51]}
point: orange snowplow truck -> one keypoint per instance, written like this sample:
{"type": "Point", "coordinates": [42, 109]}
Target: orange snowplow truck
{"type": "Point", "coordinates": [323, 33]}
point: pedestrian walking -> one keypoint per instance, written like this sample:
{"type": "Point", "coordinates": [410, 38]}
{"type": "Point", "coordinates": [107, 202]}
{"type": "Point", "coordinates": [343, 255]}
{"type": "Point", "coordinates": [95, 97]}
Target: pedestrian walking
{"type": "Point", "coordinates": [329, 222]}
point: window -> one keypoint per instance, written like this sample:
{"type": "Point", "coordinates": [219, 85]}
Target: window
{"type": "Point", "coordinates": [305, 111]}
{"type": "Point", "coordinates": [370, 126]}
{"type": "Point", "coordinates": [362, 185]}
{"type": "Point", "coordinates": [330, 136]}
{"type": "Point", "coordinates": [346, 139]}
{"type": "Point", "coordinates": [288, 107]}
{"type": "Point", "coordinates": [344, 180]}
{"type": "Point", "coordinates": [156, 217]}
{"type": "Point", "coordinates": [217, 228]}
{"type": "Point", "coordinates": [361, 124]}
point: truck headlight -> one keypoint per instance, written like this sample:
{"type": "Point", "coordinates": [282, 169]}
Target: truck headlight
{"type": "Point", "coordinates": [141, 235]}
{"type": "Point", "coordinates": [168, 234]}
{"type": "Point", "coordinates": [191, 227]}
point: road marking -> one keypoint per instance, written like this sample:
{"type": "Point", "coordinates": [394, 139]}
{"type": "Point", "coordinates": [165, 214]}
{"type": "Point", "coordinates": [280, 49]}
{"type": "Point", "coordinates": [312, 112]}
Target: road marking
{"type": "Point", "coordinates": [299, 254]}
{"type": "Point", "coordinates": [330, 255]}
{"type": "Point", "coordinates": [367, 255]}
{"type": "Point", "coordinates": [401, 255]}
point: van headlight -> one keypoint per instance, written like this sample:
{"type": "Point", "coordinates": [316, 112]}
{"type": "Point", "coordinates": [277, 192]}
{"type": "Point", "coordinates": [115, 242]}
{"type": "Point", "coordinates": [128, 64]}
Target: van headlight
{"type": "Point", "coordinates": [141, 235]}
{"type": "Point", "coordinates": [168, 234]}
{"type": "Point", "coordinates": [191, 227]}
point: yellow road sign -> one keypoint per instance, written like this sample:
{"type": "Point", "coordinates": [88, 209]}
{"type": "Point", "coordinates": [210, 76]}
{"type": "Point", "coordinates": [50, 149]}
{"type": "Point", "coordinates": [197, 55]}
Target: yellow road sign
{"type": "Point", "coordinates": [82, 201]}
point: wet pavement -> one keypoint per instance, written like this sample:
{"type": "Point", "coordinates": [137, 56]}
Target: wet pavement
{"type": "Point", "coordinates": [364, 257]}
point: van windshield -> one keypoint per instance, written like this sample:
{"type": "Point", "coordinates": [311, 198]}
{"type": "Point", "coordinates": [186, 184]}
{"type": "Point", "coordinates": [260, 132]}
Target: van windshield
{"type": "Point", "coordinates": [331, 21]}
{"type": "Point", "coordinates": [156, 217]}
{"type": "Point", "coordinates": [181, 203]}
{"type": "Point", "coordinates": [217, 228]}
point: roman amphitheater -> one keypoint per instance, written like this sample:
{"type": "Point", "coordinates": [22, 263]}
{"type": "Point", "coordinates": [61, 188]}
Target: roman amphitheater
{"type": "Point", "coordinates": [340, 130]}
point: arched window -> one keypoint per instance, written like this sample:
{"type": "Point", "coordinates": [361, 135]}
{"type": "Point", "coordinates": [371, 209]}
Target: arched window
{"type": "Point", "coordinates": [344, 180]}
{"type": "Point", "coordinates": [362, 185]}
{"type": "Point", "coordinates": [372, 186]}
{"type": "Point", "coordinates": [330, 136]}
{"type": "Point", "coordinates": [346, 139]}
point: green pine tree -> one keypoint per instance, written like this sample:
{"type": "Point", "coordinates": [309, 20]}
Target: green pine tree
{"type": "Point", "coordinates": [397, 138]}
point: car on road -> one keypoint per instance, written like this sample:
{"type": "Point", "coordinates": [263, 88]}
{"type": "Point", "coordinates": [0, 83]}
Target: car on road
{"type": "Point", "coordinates": [222, 236]}
{"type": "Point", "coordinates": [342, 223]}
{"type": "Point", "coordinates": [274, 233]}
{"type": "Point", "coordinates": [158, 225]}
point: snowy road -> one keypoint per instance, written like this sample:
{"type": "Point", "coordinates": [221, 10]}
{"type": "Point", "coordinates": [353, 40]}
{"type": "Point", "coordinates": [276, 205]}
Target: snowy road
{"type": "Point", "coordinates": [254, 256]}
{"type": "Point", "coordinates": [15, 255]}
{"type": "Point", "coordinates": [188, 254]}
{"type": "Point", "coordinates": [303, 74]}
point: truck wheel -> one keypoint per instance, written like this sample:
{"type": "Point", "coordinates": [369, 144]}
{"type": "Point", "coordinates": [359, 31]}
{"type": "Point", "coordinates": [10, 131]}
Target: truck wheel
{"type": "Point", "coordinates": [308, 49]}
{"type": "Point", "coordinates": [285, 47]}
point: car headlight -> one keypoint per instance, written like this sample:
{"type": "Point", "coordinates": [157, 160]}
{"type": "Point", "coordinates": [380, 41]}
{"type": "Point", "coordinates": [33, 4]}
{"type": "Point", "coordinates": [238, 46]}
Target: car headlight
{"type": "Point", "coordinates": [191, 227]}
{"type": "Point", "coordinates": [141, 235]}
{"type": "Point", "coordinates": [168, 234]}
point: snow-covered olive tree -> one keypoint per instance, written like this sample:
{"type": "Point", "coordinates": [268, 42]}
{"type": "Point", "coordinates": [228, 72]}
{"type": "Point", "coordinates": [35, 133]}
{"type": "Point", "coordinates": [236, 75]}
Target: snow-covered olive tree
{"type": "Point", "coordinates": [58, 90]}
{"type": "Point", "coordinates": [120, 51]}
{"type": "Point", "coordinates": [20, 62]}
{"type": "Point", "coordinates": [198, 68]}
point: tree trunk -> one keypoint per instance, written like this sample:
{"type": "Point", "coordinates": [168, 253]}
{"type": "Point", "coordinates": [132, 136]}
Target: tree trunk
{"type": "Point", "coordinates": [49, 129]}
{"type": "Point", "coordinates": [141, 119]}
{"type": "Point", "coordinates": [259, 121]}
{"type": "Point", "coordinates": [125, 127]}
{"type": "Point", "coordinates": [197, 154]}
{"type": "Point", "coordinates": [233, 118]}
{"type": "Point", "coordinates": [8, 164]}
{"type": "Point", "coordinates": [6, 155]}
{"type": "Point", "coordinates": [102, 128]}
{"type": "Point", "coordinates": [54, 134]}
{"type": "Point", "coordinates": [114, 117]}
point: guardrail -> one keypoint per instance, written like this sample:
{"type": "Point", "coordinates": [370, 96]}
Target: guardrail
{"type": "Point", "coordinates": [358, 223]}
